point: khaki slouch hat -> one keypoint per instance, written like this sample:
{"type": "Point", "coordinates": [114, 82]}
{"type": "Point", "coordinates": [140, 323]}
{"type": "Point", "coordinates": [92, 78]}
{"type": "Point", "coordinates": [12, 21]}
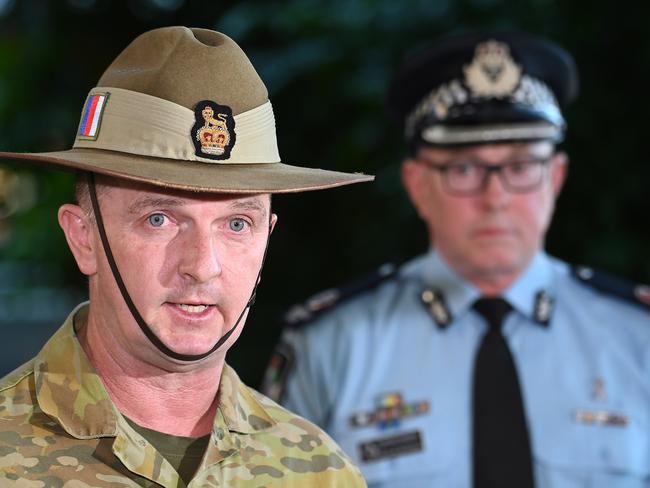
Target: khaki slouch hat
{"type": "Point", "coordinates": [185, 109]}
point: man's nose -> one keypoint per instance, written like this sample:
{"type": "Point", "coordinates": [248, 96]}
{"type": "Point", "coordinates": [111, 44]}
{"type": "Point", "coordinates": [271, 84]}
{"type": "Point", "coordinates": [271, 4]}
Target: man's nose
{"type": "Point", "coordinates": [200, 259]}
{"type": "Point", "coordinates": [495, 193]}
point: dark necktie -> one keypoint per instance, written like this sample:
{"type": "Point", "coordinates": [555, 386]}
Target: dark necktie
{"type": "Point", "coordinates": [502, 457]}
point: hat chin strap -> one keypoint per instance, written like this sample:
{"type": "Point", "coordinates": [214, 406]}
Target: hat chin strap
{"type": "Point", "coordinates": [132, 308]}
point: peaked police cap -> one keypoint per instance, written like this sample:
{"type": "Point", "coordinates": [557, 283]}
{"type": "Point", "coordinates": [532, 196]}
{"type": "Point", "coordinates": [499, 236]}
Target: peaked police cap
{"type": "Point", "coordinates": [483, 88]}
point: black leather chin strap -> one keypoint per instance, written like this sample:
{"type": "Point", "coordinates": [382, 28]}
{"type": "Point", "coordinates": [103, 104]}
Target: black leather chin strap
{"type": "Point", "coordinates": [129, 303]}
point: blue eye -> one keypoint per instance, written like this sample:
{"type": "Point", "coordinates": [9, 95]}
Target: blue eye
{"type": "Point", "coordinates": [156, 220]}
{"type": "Point", "coordinates": [237, 224]}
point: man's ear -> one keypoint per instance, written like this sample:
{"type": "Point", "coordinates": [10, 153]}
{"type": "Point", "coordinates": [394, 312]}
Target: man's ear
{"type": "Point", "coordinates": [274, 220]}
{"type": "Point", "coordinates": [559, 171]}
{"type": "Point", "coordinates": [416, 185]}
{"type": "Point", "coordinates": [78, 230]}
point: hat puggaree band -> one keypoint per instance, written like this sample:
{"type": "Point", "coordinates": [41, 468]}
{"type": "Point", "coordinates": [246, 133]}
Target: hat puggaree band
{"type": "Point", "coordinates": [128, 118]}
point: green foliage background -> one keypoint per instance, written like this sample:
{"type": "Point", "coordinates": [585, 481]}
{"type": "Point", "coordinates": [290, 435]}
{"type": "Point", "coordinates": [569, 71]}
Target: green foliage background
{"type": "Point", "coordinates": [327, 65]}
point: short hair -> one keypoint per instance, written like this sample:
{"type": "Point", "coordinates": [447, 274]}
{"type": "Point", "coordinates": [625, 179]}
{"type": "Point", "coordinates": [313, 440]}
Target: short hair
{"type": "Point", "coordinates": [82, 192]}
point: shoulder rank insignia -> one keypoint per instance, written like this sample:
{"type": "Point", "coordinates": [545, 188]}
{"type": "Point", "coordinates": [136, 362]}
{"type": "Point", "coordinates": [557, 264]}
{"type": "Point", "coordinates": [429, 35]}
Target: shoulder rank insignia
{"type": "Point", "coordinates": [633, 292]}
{"type": "Point", "coordinates": [326, 299]}
{"type": "Point", "coordinates": [213, 132]}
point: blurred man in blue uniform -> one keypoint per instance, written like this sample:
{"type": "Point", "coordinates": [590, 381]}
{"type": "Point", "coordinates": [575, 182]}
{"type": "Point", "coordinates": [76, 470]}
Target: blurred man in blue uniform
{"type": "Point", "coordinates": [484, 362]}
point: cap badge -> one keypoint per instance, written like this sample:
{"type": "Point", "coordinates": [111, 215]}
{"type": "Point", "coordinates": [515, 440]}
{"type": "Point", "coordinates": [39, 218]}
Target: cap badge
{"type": "Point", "coordinates": [213, 132]}
{"type": "Point", "coordinates": [492, 72]}
{"type": "Point", "coordinates": [91, 116]}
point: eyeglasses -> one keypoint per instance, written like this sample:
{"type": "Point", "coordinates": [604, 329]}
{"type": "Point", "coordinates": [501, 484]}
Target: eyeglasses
{"type": "Point", "coordinates": [471, 178]}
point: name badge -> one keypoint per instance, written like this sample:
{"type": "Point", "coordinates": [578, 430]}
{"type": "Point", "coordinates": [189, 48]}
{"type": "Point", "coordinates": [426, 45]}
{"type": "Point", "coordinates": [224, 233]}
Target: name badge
{"type": "Point", "coordinates": [387, 447]}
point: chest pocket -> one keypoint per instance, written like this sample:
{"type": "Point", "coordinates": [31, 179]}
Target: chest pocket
{"type": "Point", "coordinates": [595, 453]}
{"type": "Point", "coordinates": [405, 455]}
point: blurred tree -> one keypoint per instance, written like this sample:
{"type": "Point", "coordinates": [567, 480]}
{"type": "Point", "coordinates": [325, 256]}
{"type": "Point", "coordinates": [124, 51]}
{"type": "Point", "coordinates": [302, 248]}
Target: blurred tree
{"type": "Point", "coordinates": [327, 65]}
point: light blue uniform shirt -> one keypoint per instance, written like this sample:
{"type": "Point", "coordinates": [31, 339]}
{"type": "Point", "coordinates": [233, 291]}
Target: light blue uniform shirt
{"type": "Point", "coordinates": [585, 379]}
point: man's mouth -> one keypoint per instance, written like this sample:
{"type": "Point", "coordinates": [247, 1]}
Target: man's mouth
{"type": "Point", "coordinates": [186, 307]}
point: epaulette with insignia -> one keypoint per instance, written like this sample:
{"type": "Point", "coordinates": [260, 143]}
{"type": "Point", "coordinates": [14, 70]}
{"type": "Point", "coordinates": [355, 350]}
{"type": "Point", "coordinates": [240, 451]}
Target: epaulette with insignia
{"type": "Point", "coordinates": [282, 360]}
{"type": "Point", "coordinates": [633, 292]}
{"type": "Point", "coordinates": [315, 305]}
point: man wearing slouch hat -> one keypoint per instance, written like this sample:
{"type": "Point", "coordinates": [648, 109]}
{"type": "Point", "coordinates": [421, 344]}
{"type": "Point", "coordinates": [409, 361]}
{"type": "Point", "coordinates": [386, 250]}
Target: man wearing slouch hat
{"type": "Point", "coordinates": [176, 157]}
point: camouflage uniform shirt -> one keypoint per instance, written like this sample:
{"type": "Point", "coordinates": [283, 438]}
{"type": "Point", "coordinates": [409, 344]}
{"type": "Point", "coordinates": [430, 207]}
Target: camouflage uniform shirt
{"type": "Point", "coordinates": [59, 429]}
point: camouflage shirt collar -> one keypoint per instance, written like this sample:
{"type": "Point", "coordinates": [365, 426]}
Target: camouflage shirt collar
{"type": "Point", "coordinates": [69, 389]}
{"type": "Point", "coordinates": [242, 412]}
{"type": "Point", "coordinates": [239, 414]}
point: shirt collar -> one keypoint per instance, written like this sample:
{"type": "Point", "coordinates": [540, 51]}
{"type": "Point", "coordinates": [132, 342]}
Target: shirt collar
{"type": "Point", "coordinates": [453, 293]}
{"type": "Point", "coordinates": [239, 414]}
{"type": "Point", "coordinates": [241, 411]}
{"type": "Point", "coordinates": [69, 389]}
{"type": "Point", "coordinates": [531, 294]}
